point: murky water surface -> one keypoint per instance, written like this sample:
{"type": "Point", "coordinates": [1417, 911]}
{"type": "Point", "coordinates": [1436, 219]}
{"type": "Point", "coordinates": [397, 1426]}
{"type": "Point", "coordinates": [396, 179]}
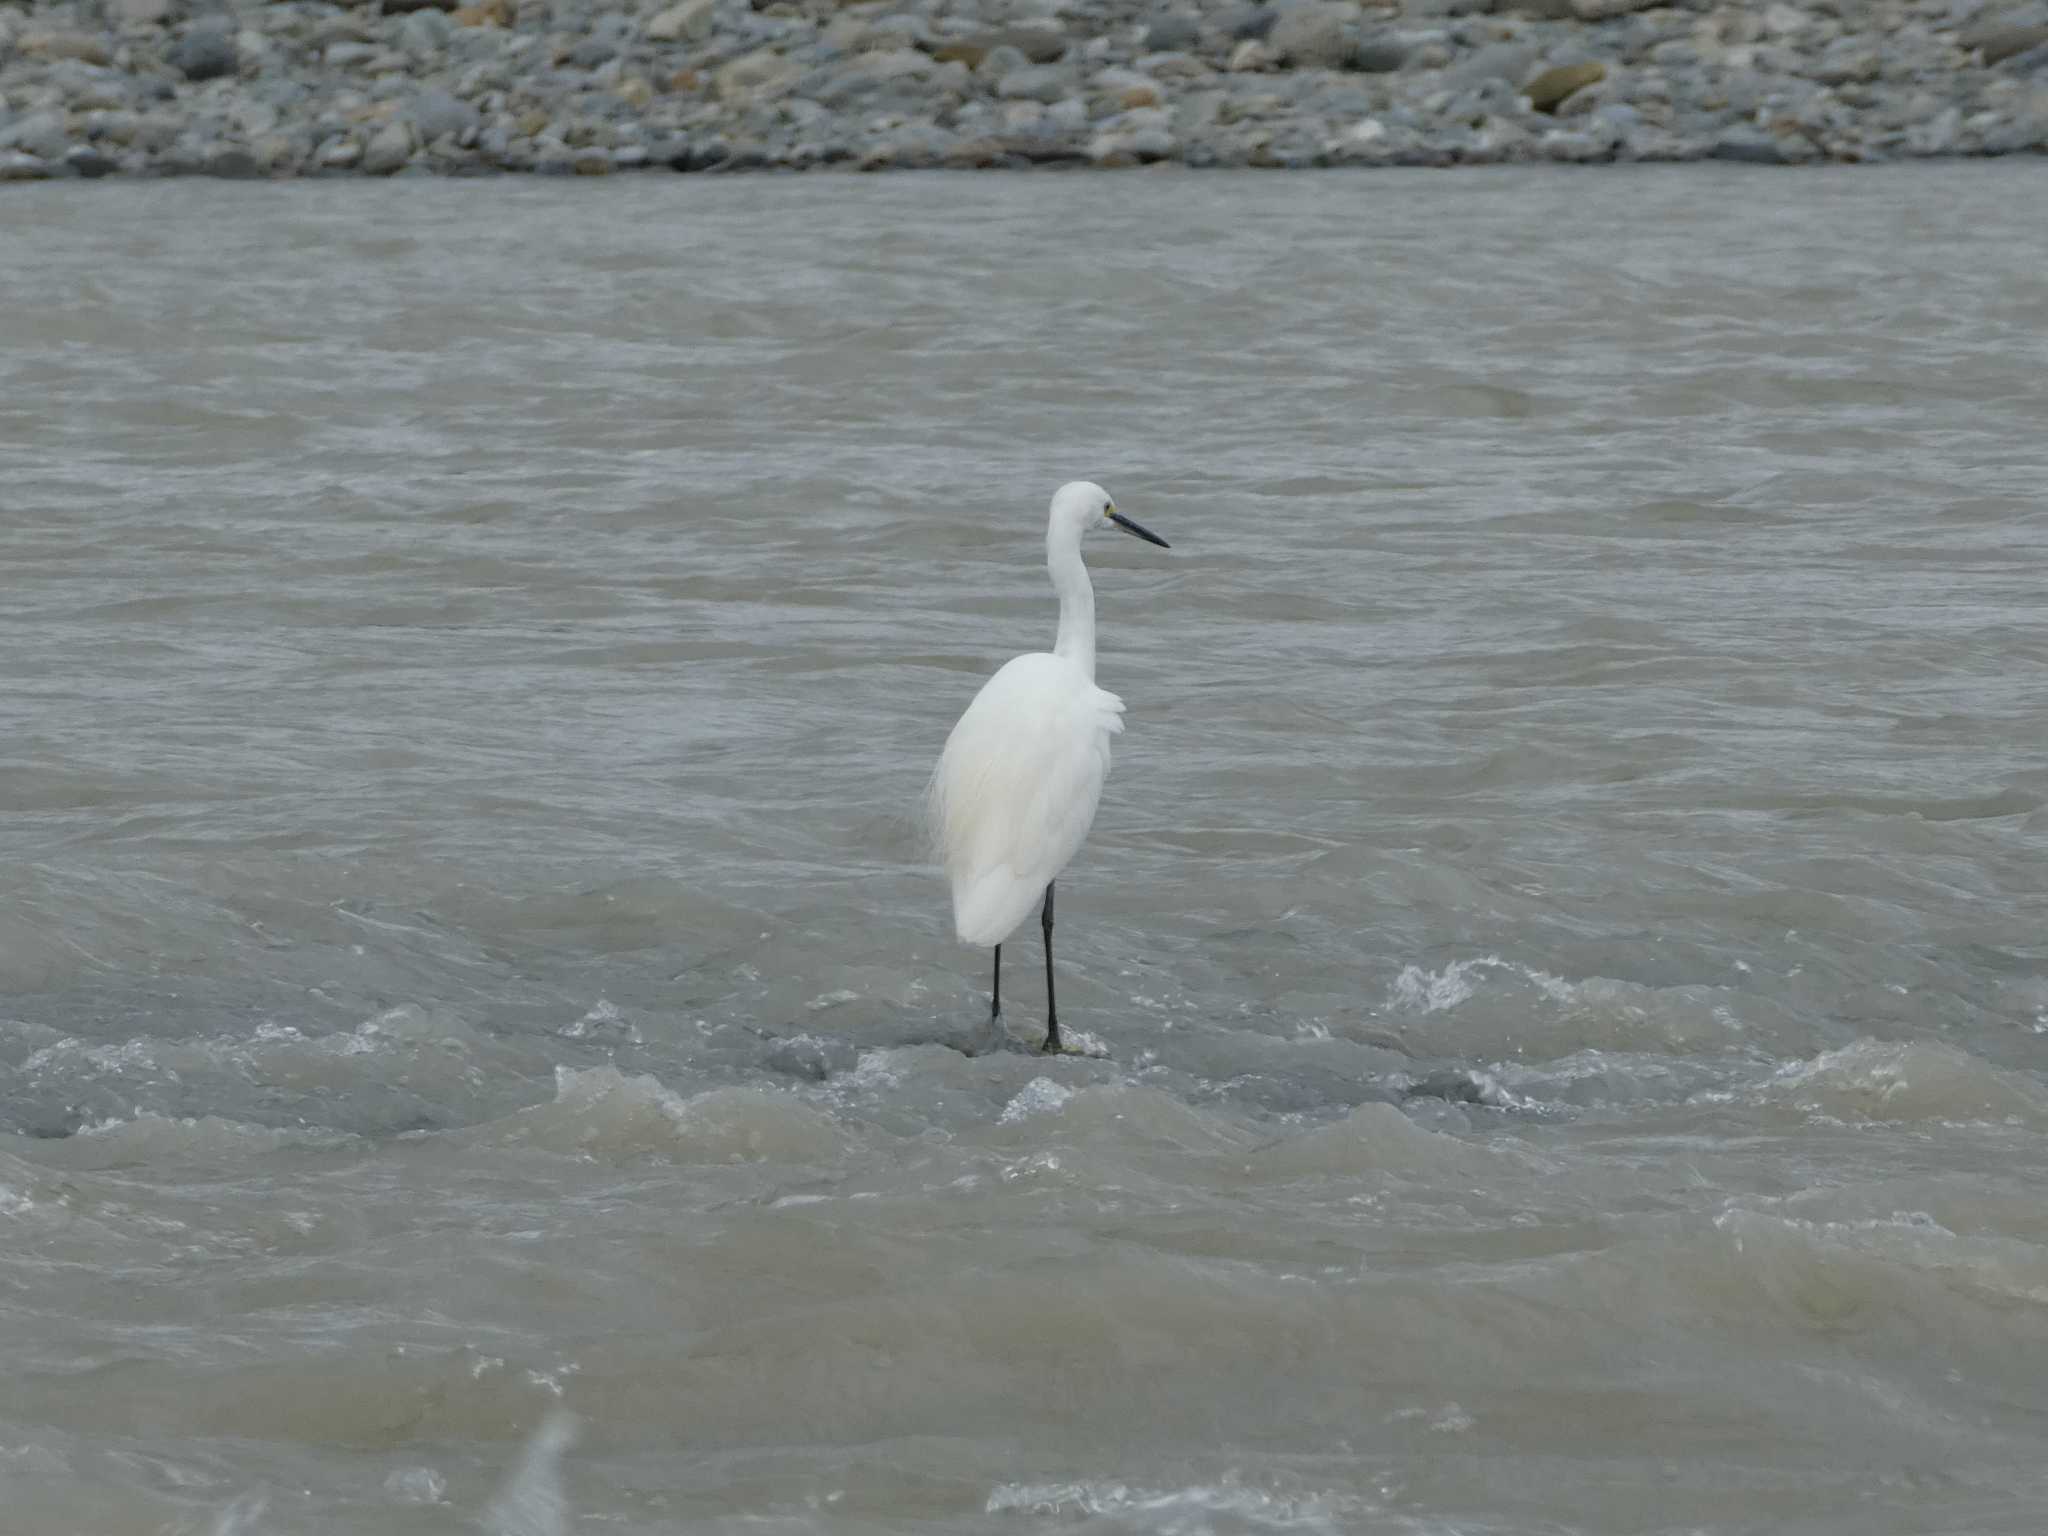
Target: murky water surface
{"type": "Point", "coordinates": [1566, 925]}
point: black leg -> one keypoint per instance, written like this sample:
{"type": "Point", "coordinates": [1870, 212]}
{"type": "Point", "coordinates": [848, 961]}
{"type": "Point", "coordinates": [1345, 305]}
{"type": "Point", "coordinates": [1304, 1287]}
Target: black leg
{"type": "Point", "coordinates": [995, 991]}
{"type": "Point", "coordinates": [1052, 1011]}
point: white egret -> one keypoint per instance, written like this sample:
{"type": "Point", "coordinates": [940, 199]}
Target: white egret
{"type": "Point", "coordinates": [1017, 786]}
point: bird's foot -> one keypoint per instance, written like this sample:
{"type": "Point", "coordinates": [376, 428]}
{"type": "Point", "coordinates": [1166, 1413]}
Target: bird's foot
{"type": "Point", "coordinates": [1074, 1044]}
{"type": "Point", "coordinates": [993, 1040]}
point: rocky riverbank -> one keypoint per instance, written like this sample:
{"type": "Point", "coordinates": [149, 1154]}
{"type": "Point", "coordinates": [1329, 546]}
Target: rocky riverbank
{"type": "Point", "coordinates": [296, 88]}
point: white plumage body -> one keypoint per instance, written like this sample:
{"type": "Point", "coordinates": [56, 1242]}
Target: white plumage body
{"type": "Point", "coordinates": [1017, 787]}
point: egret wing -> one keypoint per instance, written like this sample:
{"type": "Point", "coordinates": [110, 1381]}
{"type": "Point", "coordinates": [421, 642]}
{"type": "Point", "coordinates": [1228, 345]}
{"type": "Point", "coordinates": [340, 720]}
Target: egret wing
{"type": "Point", "coordinates": [1017, 787]}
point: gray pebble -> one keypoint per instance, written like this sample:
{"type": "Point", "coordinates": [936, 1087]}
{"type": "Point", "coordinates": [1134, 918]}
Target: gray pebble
{"type": "Point", "coordinates": [1249, 23]}
{"type": "Point", "coordinates": [998, 62]}
{"type": "Point", "coordinates": [424, 34]}
{"type": "Point", "coordinates": [17, 166]}
{"type": "Point", "coordinates": [86, 161]}
{"type": "Point", "coordinates": [388, 149]}
{"type": "Point", "coordinates": [1173, 33]}
{"type": "Point", "coordinates": [1380, 55]}
{"type": "Point", "coordinates": [1035, 82]}
{"type": "Point", "coordinates": [1750, 146]}
{"type": "Point", "coordinates": [2002, 40]}
{"type": "Point", "coordinates": [100, 87]}
{"type": "Point", "coordinates": [435, 113]}
{"type": "Point", "coordinates": [41, 134]}
{"type": "Point", "coordinates": [231, 162]}
{"type": "Point", "coordinates": [1315, 37]}
{"type": "Point", "coordinates": [205, 53]}
{"type": "Point", "coordinates": [1511, 62]}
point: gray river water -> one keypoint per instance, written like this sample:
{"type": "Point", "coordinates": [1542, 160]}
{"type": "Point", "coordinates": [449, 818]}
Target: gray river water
{"type": "Point", "coordinates": [1563, 938]}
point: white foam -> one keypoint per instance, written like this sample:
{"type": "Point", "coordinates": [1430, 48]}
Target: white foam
{"type": "Point", "coordinates": [416, 1485]}
{"type": "Point", "coordinates": [1887, 1080]}
{"type": "Point", "coordinates": [1189, 1511]}
{"type": "Point", "coordinates": [601, 1018]}
{"type": "Point", "coordinates": [1457, 982]}
{"type": "Point", "coordinates": [1434, 991]}
{"type": "Point", "coordinates": [1040, 1096]}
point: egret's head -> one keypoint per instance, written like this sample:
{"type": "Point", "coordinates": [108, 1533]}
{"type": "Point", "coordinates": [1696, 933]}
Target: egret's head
{"type": "Point", "coordinates": [1084, 505]}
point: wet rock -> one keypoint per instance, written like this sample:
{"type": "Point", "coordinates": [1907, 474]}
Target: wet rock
{"type": "Point", "coordinates": [1603, 10]}
{"type": "Point", "coordinates": [1549, 89]}
{"type": "Point", "coordinates": [388, 149]}
{"type": "Point", "coordinates": [205, 53]}
{"type": "Point", "coordinates": [17, 166]}
{"type": "Point", "coordinates": [1454, 1086]}
{"type": "Point", "coordinates": [88, 162]}
{"type": "Point", "coordinates": [1749, 146]}
{"type": "Point", "coordinates": [230, 162]}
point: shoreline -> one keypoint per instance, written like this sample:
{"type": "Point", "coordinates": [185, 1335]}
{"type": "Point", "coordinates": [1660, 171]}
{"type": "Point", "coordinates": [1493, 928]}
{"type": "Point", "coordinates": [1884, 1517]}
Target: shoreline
{"type": "Point", "coordinates": [155, 88]}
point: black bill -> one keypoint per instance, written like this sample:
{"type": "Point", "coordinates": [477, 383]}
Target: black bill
{"type": "Point", "coordinates": [1142, 532]}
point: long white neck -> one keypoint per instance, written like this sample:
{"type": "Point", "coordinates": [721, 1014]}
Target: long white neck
{"type": "Point", "coordinates": [1076, 639]}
